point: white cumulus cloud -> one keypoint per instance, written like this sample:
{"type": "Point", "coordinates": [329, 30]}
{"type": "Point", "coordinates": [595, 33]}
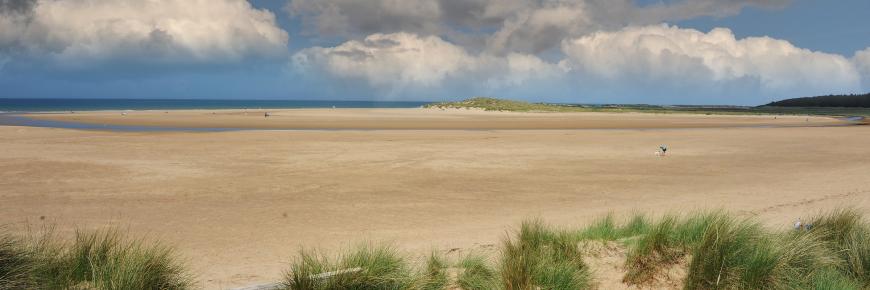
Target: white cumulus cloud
{"type": "Point", "coordinates": [84, 32]}
{"type": "Point", "coordinates": [665, 58]}
{"type": "Point", "coordinates": [668, 54]}
{"type": "Point", "coordinates": [862, 61]}
{"type": "Point", "coordinates": [399, 61]}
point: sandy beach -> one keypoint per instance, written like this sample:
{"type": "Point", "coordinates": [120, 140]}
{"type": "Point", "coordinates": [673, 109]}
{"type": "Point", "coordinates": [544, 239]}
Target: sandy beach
{"type": "Point", "coordinates": [423, 119]}
{"type": "Point", "coordinates": [239, 204]}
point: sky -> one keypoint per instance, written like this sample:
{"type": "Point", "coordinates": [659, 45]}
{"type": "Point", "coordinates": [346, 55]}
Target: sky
{"type": "Point", "coordinates": [729, 52]}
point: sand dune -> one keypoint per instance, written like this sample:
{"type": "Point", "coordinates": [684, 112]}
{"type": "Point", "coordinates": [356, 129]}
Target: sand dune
{"type": "Point", "coordinates": [239, 204]}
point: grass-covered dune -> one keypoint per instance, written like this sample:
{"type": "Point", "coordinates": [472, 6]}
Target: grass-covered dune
{"type": "Point", "coordinates": [717, 250]}
{"type": "Point", "coordinates": [494, 104]}
{"type": "Point", "coordinates": [713, 250]}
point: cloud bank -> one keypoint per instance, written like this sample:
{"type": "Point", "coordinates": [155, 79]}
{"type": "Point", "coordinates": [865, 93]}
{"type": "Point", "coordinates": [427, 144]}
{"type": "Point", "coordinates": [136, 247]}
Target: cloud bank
{"type": "Point", "coordinates": [669, 54]}
{"type": "Point", "coordinates": [656, 55]}
{"type": "Point", "coordinates": [567, 46]}
{"type": "Point", "coordinates": [520, 25]}
{"type": "Point", "coordinates": [87, 33]}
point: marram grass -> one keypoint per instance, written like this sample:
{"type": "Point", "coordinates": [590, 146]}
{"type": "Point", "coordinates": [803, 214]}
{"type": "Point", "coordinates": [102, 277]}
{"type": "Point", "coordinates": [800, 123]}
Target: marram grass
{"type": "Point", "coordinates": [542, 258]}
{"type": "Point", "coordinates": [719, 251]}
{"type": "Point", "coordinates": [16, 264]}
{"type": "Point", "coordinates": [93, 260]}
{"type": "Point", "coordinates": [365, 267]}
{"type": "Point", "coordinates": [476, 273]}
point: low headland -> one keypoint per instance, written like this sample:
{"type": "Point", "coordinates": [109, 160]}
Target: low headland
{"type": "Point", "coordinates": [829, 101]}
{"type": "Point", "coordinates": [839, 106]}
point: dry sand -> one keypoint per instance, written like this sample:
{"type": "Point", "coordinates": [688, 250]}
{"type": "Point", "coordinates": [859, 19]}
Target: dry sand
{"type": "Point", "coordinates": [239, 204]}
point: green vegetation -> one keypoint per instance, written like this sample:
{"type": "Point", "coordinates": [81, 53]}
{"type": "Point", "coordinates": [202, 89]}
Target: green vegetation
{"type": "Point", "coordinates": [606, 229]}
{"type": "Point", "coordinates": [732, 253]}
{"type": "Point", "coordinates": [93, 260]}
{"type": "Point", "coordinates": [366, 267]}
{"type": "Point", "coordinates": [717, 250]}
{"type": "Point", "coordinates": [493, 104]}
{"type": "Point", "coordinates": [476, 274]}
{"type": "Point", "coordinates": [849, 237]}
{"type": "Point", "coordinates": [541, 257]}
{"type": "Point", "coordinates": [842, 101]}
{"type": "Point", "coordinates": [16, 264]}
{"type": "Point", "coordinates": [435, 276]}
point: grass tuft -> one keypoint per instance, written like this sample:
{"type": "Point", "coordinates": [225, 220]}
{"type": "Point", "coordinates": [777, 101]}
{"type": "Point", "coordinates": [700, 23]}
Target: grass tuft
{"type": "Point", "coordinates": [832, 279]}
{"type": "Point", "coordinates": [365, 267]}
{"type": "Point", "coordinates": [653, 251]}
{"type": "Point", "coordinates": [739, 254]}
{"type": "Point", "coordinates": [607, 229]}
{"type": "Point", "coordinates": [476, 274]}
{"type": "Point", "coordinates": [542, 258]}
{"type": "Point", "coordinates": [16, 263]}
{"type": "Point", "coordinates": [434, 276]}
{"type": "Point", "coordinates": [94, 260]}
{"type": "Point", "coordinates": [849, 235]}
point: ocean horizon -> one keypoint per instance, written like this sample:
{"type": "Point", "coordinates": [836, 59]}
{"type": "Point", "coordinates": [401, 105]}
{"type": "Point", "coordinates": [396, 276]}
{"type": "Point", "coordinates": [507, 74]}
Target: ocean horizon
{"type": "Point", "coordinates": [85, 104]}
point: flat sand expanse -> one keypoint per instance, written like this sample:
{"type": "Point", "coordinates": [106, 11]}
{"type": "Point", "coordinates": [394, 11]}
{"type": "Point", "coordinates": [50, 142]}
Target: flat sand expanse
{"type": "Point", "coordinates": [239, 204]}
{"type": "Point", "coordinates": [421, 119]}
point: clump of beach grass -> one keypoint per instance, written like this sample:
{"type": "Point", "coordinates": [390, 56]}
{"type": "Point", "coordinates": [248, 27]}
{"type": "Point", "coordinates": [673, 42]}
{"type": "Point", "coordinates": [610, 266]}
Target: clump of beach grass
{"type": "Point", "coordinates": [476, 273]}
{"type": "Point", "coordinates": [740, 254]}
{"type": "Point", "coordinates": [833, 279]}
{"type": "Point", "coordinates": [434, 276]}
{"type": "Point", "coordinates": [654, 250]}
{"type": "Point", "coordinates": [106, 260]}
{"type": "Point", "coordinates": [607, 229]}
{"type": "Point", "coordinates": [663, 243]}
{"type": "Point", "coordinates": [540, 257]}
{"type": "Point", "coordinates": [15, 263]}
{"type": "Point", "coordinates": [849, 236]}
{"type": "Point", "coordinates": [365, 267]}
{"type": "Point", "coordinates": [93, 260]}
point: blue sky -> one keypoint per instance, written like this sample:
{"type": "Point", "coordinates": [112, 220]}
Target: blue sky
{"type": "Point", "coordinates": [743, 52]}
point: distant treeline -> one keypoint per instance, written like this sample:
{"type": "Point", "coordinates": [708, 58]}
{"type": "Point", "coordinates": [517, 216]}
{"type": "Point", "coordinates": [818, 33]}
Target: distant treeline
{"type": "Point", "coordinates": [845, 101]}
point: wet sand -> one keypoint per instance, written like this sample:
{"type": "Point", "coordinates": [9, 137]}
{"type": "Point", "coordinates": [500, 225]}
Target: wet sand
{"type": "Point", "coordinates": [239, 204]}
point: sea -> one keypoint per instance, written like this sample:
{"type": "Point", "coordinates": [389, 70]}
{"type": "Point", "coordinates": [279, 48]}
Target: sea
{"type": "Point", "coordinates": [60, 105]}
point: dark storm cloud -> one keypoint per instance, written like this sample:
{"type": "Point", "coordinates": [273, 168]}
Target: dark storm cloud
{"type": "Point", "coordinates": [529, 26]}
{"type": "Point", "coordinates": [17, 6]}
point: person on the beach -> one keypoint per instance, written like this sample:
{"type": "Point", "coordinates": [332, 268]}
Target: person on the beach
{"type": "Point", "coordinates": [664, 149]}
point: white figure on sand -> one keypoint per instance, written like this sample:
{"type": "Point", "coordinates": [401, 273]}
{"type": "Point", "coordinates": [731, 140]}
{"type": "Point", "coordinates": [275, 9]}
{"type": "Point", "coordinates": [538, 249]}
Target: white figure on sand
{"type": "Point", "coordinates": [799, 225]}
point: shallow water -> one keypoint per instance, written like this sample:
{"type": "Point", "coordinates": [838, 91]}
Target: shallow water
{"type": "Point", "coordinates": [59, 105]}
{"type": "Point", "coordinates": [7, 119]}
